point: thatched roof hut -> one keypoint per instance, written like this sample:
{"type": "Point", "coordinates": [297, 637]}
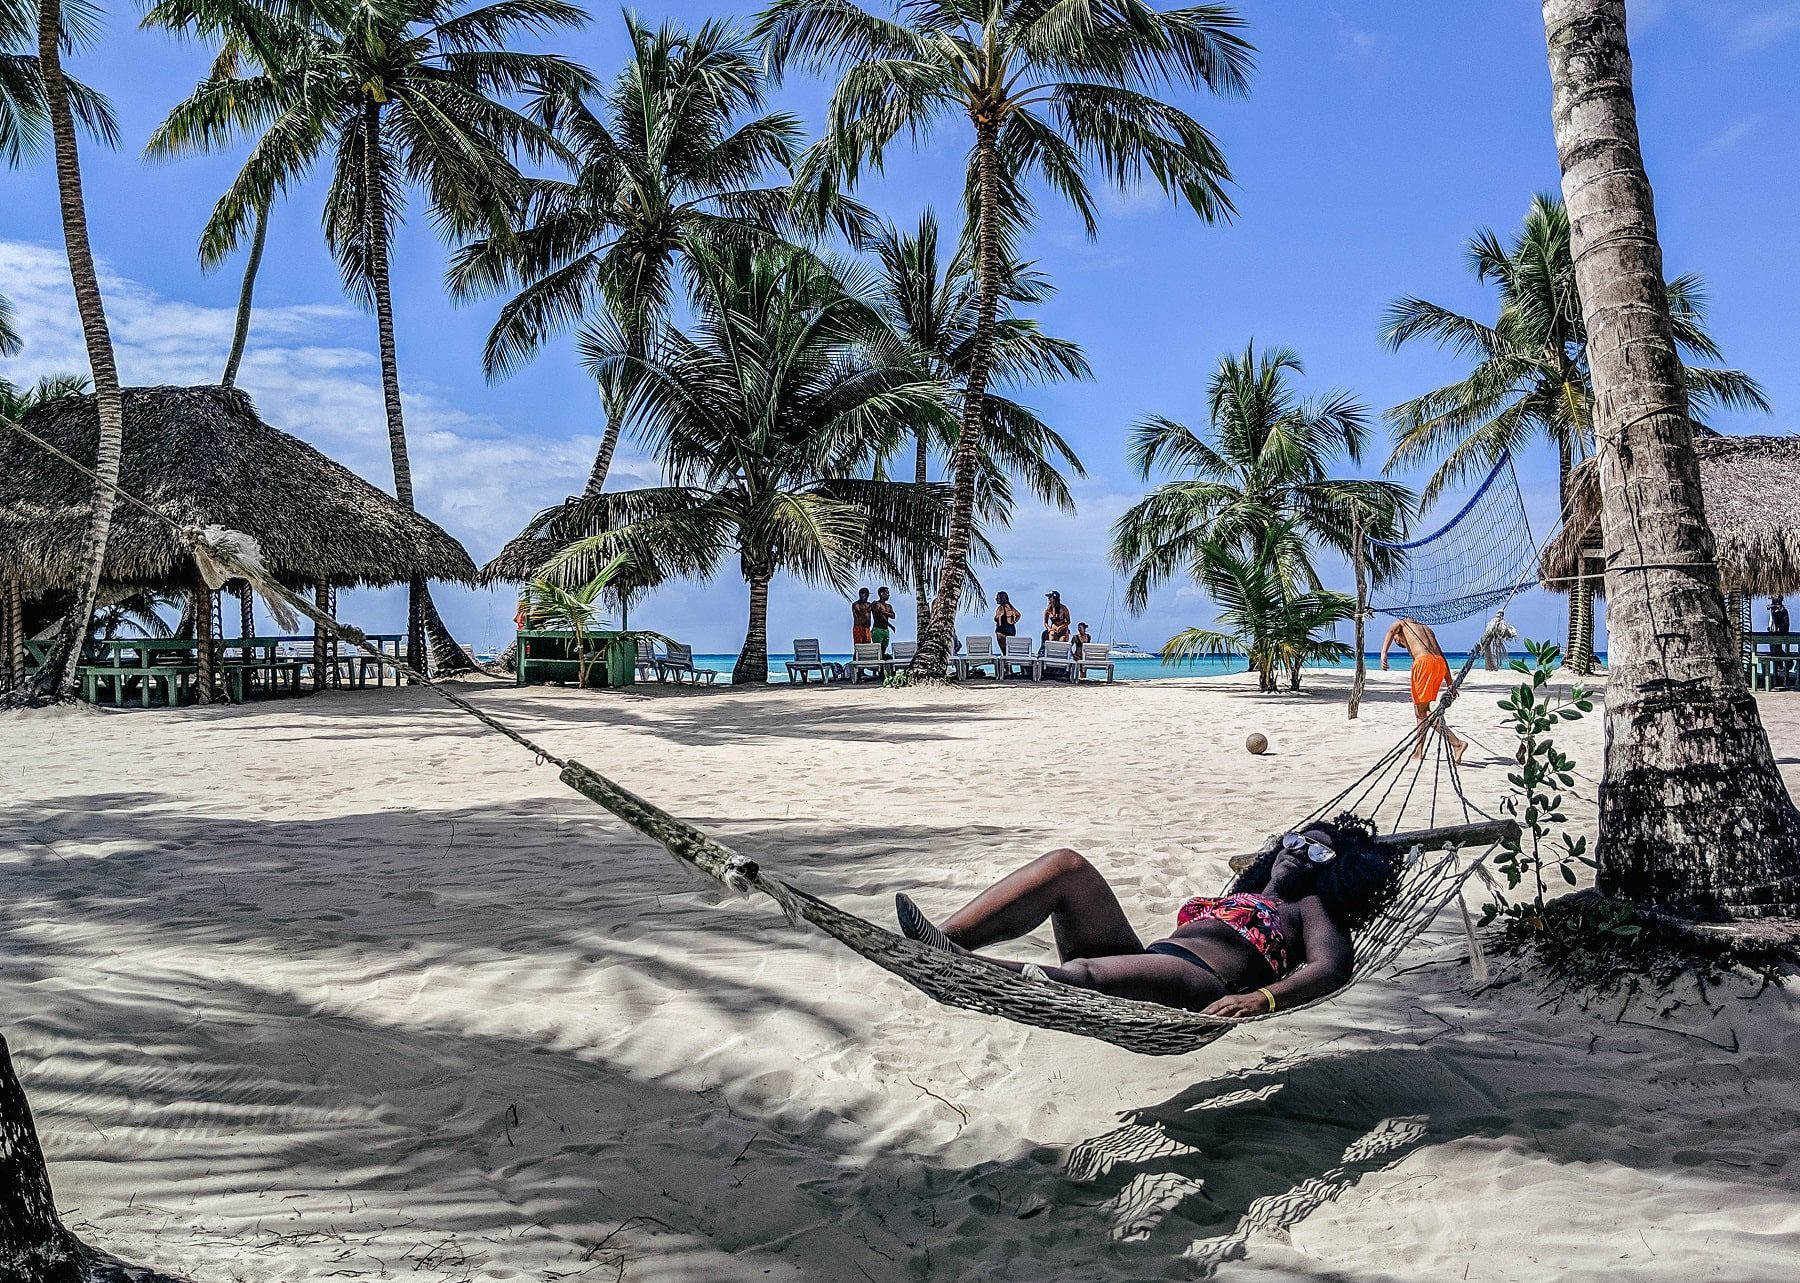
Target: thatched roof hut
{"type": "Point", "coordinates": [520, 561]}
{"type": "Point", "coordinates": [204, 457]}
{"type": "Point", "coordinates": [1749, 484]}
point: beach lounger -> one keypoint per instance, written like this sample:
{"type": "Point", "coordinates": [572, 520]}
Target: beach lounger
{"type": "Point", "coordinates": [678, 665]}
{"type": "Point", "coordinates": [1094, 656]}
{"type": "Point", "coordinates": [1058, 657]}
{"type": "Point", "coordinates": [867, 659]}
{"type": "Point", "coordinates": [903, 654]}
{"type": "Point", "coordinates": [1018, 655]}
{"type": "Point", "coordinates": [807, 660]}
{"type": "Point", "coordinates": [646, 663]}
{"type": "Point", "coordinates": [978, 653]}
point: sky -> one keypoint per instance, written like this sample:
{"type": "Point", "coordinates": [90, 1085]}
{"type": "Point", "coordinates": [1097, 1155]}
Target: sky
{"type": "Point", "coordinates": [1377, 137]}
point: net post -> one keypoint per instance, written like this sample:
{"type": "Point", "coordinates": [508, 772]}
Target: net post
{"type": "Point", "coordinates": [1362, 610]}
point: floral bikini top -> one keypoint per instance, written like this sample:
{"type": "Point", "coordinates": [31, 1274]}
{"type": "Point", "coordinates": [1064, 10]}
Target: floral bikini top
{"type": "Point", "coordinates": [1251, 915]}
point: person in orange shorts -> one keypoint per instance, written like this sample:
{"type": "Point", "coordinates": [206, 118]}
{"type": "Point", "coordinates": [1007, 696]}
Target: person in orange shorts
{"type": "Point", "coordinates": [1430, 678]}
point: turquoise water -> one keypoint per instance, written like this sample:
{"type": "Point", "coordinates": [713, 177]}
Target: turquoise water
{"type": "Point", "coordinates": [1125, 670]}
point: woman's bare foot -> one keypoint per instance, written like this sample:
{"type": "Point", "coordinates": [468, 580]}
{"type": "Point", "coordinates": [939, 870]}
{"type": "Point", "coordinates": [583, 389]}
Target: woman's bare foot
{"type": "Point", "coordinates": [914, 925]}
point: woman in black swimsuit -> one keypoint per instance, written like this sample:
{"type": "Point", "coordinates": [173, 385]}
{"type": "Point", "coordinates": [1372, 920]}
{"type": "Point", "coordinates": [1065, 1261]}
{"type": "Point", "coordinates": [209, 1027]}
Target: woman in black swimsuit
{"type": "Point", "coordinates": [1279, 937]}
{"type": "Point", "coordinates": [1006, 618]}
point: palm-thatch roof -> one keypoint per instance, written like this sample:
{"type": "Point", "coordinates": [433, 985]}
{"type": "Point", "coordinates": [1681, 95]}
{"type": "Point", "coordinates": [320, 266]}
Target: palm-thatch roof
{"type": "Point", "coordinates": [1749, 485]}
{"type": "Point", "coordinates": [202, 456]}
{"type": "Point", "coordinates": [520, 561]}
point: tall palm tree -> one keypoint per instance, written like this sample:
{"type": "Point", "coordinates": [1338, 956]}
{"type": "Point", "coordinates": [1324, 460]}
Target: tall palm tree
{"type": "Point", "coordinates": [1693, 811]}
{"type": "Point", "coordinates": [33, 92]}
{"type": "Point", "coordinates": [1047, 88]}
{"type": "Point", "coordinates": [929, 300]}
{"type": "Point", "coordinates": [249, 35]}
{"type": "Point", "coordinates": [24, 116]}
{"type": "Point", "coordinates": [1264, 465]}
{"type": "Point", "coordinates": [1267, 611]}
{"type": "Point", "coordinates": [1531, 374]}
{"type": "Point", "coordinates": [392, 94]}
{"type": "Point", "coordinates": [668, 161]}
{"type": "Point", "coordinates": [10, 343]}
{"type": "Point", "coordinates": [766, 416]}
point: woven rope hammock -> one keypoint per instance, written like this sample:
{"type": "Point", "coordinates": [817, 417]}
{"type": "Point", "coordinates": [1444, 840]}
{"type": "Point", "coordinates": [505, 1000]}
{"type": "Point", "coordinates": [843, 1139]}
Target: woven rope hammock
{"type": "Point", "coordinates": [1427, 885]}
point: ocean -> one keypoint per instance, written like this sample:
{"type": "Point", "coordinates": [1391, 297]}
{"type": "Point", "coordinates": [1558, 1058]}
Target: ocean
{"type": "Point", "coordinates": [1125, 670]}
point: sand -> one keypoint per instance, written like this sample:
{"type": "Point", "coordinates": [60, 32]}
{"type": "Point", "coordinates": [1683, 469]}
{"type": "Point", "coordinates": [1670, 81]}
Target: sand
{"type": "Point", "coordinates": [346, 987]}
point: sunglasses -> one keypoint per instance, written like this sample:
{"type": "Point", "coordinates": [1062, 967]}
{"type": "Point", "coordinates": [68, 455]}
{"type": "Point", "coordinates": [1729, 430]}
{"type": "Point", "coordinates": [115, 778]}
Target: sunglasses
{"type": "Point", "coordinates": [1317, 852]}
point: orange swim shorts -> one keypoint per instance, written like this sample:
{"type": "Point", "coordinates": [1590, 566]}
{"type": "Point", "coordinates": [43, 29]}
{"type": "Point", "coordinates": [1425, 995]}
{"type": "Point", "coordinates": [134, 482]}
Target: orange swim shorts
{"type": "Point", "coordinates": [1430, 674]}
{"type": "Point", "coordinates": [860, 634]}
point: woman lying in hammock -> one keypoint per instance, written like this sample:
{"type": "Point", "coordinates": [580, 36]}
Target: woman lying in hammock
{"type": "Point", "coordinates": [1239, 954]}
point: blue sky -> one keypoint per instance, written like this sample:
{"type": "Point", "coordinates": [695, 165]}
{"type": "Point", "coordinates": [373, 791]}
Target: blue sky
{"type": "Point", "coordinates": [1378, 135]}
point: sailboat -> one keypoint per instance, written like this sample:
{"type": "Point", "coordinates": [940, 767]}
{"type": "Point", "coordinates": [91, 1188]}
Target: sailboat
{"type": "Point", "coordinates": [1119, 649]}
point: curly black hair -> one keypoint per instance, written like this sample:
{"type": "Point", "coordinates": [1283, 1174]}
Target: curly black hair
{"type": "Point", "coordinates": [1356, 886]}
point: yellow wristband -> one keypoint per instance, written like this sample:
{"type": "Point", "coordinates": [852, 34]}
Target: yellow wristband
{"type": "Point", "coordinates": [1271, 997]}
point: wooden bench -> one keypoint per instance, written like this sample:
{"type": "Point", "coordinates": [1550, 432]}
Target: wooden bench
{"type": "Point", "coordinates": [171, 678]}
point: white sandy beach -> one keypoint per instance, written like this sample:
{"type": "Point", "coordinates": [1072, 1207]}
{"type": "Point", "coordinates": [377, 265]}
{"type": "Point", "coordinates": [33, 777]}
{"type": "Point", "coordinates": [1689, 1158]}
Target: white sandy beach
{"type": "Point", "coordinates": [348, 987]}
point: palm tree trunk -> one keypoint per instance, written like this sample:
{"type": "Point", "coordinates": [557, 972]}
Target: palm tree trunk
{"type": "Point", "coordinates": [59, 679]}
{"type": "Point", "coordinates": [752, 667]}
{"type": "Point", "coordinates": [921, 592]}
{"type": "Point", "coordinates": [1578, 654]}
{"type": "Point", "coordinates": [609, 442]}
{"type": "Point", "coordinates": [246, 611]}
{"type": "Point", "coordinates": [933, 656]}
{"type": "Point", "coordinates": [240, 335]}
{"type": "Point", "coordinates": [423, 621]}
{"type": "Point", "coordinates": [204, 666]}
{"type": "Point", "coordinates": [1693, 814]}
{"type": "Point", "coordinates": [33, 1243]}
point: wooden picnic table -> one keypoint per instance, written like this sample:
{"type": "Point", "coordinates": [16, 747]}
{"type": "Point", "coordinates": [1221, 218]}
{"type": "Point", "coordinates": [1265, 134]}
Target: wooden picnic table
{"type": "Point", "coordinates": [1774, 661]}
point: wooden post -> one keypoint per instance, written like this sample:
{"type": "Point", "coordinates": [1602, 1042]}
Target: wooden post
{"type": "Point", "coordinates": [246, 611]}
{"type": "Point", "coordinates": [321, 599]}
{"type": "Point", "coordinates": [1362, 607]}
{"type": "Point", "coordinates": [12, 641]}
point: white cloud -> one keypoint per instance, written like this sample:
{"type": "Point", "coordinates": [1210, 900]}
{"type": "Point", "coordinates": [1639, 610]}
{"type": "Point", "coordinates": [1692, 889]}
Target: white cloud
{"type": "Point", "coordinates": [1727, 140]}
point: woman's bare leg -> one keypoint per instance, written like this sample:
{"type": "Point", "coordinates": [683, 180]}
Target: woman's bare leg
{"type": "Point", "coordinates": [1061, 888]}
{"type": "Point", "coordinates": [1148, 977]}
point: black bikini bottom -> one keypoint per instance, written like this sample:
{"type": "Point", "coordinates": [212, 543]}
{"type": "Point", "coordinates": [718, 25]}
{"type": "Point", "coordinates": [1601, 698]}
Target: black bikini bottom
{"type": "Point", "coordinates": [1176, 951]}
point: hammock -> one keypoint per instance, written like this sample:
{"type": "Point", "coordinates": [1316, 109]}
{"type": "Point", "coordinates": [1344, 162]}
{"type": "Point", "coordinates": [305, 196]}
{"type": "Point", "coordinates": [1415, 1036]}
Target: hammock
{"type": "Point", "coordinates": [1475, 561]}
{"type": "Point", "coordinates": [1426, 886]}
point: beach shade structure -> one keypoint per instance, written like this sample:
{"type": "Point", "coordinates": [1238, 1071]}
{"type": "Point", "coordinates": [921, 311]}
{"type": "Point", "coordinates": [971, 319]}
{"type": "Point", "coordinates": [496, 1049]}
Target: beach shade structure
{"type": "Point", "coordinates": [203, 457]}
{"type": "Point", "coordinates": [1748, 485]}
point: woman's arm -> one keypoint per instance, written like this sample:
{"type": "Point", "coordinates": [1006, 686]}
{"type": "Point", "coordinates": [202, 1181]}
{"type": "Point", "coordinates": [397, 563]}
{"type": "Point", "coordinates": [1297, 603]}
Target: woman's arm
{"type": "Point", "coordinates": [1330, 957]}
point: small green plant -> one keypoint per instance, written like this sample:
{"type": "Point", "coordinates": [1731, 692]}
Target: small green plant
{"type": "Point", "coordinates": [1545, 773]}
{"type": "Point", "coordinates": [897, 679]}
{"type": "Point", "coordinates": [549, 605]}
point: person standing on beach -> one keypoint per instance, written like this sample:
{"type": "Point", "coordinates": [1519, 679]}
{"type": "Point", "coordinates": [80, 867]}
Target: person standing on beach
{"type": "Point", "coordinates": [1006, 620]}
{"type": "Point", "coordinates": [1056, 618]}
{"type": "Point", "coordinates": [1430, 678]}
{"type": "Point", "coordinates": [883, 621]}
{"type": "Point", "coordinates": [1082, 638]}
{"type": "Point", "coordinates": [862, 615]}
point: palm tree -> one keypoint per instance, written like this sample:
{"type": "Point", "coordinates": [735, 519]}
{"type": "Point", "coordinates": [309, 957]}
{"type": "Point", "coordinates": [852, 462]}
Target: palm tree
{"type": "Point", "coordinates": [1693, 812]}
{"type": "Point", "coordinates": [16, 402]}
{"type": "Point", "coordinates": [1267, 613]}
{"type": "Point", "coordinates": [391, 94]}
{"type": "Point", "coordinates": [10, 343]}
{"type": "Point", "coordinates": [1047, 90]}
{"type": "Point", "coordinates": [1264, 465]}
{"type": "Point", "coordinates": [34, 91]}
{"type": "Point", "coordinates": [930, 302]}
{"type": "Point", "coordinates": [24, 115]}
{"type": "Point", "coordinates": [767, 417]}
{"type": "Point", "coordinates": [666, 163]}
{"type": "Point", "coordinates": [249, 34]}
{"type": "Point", "coordinates": [1531, 373]}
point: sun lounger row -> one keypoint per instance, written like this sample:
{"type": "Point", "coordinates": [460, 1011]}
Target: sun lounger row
{"type": "Point", "coordinates": [1019, 659]}
{"type": "Point", "coordinates": [674, 665]}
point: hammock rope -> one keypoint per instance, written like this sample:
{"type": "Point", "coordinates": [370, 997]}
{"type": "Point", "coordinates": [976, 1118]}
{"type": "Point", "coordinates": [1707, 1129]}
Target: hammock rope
{"type": "Point", "coordinates": [1426, 885]}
